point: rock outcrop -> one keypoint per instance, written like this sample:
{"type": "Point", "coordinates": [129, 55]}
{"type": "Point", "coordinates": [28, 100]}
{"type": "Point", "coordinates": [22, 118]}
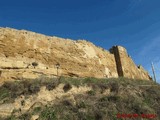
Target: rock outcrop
{"type": "Point", "coordinates": [19, 49]}
{"type": "Point", "coordinates": [43, 97]}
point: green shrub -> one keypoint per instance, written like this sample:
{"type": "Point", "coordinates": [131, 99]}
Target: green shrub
{"type": "Point", "coordinates": [48, 114]}
{"type": "Point", "coordinates": [67, 103]}
{"type": "Point", "coordinates": [33, 88]}
{"type": "Point", "coordinates": [81, 104]}
{"type": "Point", "coordinates": [9, 118]}
{"type": "Point", "coordinates": [4, 93]}
{"type": "Point", "coordinates": [67, 87]}
{"type": "Point", "coordinates": [111, 98]}
{"type": "Point", "coordinates": [34, 64]}
{"type": "Point", "coordinates": [90, 80]}
{"type": "Point", "coordinates": [91, 92]}
{"type": "Point", "coordinates": [52, 85]}
{"type": "Point", "coordinates": [114, 87]}
{"type": "Point", "coordinates": [37, 109]}
{"type": "Point", "coordinates": [25, 116]}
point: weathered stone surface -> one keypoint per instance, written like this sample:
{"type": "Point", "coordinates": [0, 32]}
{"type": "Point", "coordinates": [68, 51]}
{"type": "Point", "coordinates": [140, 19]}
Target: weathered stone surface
{"type": "Point", "coordinates": [43, 97]}
{"type": "Point", "coordinates": [125, 65]}
{"type": "Point", "coordinates": [20, 48]}
{"type": "Point", "coordinates": [6, 109]}
{"type": "Point", "coordinates": [34, 117]}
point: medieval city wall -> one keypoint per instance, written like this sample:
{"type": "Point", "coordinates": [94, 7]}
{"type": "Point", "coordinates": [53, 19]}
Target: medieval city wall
{"type": "Point", "coordinates": [19, 49]}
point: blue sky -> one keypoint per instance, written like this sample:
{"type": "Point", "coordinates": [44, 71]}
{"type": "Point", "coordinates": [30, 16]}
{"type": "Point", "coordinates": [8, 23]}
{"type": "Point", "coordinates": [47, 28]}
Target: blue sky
{"type": "Point", "coordinates": [134, 24]}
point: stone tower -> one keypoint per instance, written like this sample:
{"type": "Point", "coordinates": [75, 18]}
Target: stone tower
{"type": "Point", "coordinates": [125, 65]}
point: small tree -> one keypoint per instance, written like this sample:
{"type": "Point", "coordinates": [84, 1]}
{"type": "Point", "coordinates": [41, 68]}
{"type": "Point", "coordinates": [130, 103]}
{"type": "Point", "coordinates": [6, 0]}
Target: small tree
{"type": "Point", "coordinates": [34, 64]}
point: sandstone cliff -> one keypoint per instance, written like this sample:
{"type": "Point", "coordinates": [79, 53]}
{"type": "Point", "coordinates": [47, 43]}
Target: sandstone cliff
{"type": "Point", "coordinates": [20, 48]}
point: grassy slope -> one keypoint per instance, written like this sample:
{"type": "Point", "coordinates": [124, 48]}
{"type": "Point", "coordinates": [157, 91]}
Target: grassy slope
{"type": "Point", "coordinates": [125, 96]}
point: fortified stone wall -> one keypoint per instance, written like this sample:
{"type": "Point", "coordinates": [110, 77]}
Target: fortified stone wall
{"type": "Point", "coordinates": [20, 48]}
{"type": "Point", "coordinates": [125, 65]}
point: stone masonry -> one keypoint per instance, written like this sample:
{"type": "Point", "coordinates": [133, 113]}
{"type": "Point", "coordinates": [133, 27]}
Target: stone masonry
{"type": "Point", "coordinates": [19, 49]}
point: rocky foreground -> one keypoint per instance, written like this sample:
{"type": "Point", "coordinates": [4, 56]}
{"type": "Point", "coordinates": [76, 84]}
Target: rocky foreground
{"type": "Point", "coordinates": [79, 99]}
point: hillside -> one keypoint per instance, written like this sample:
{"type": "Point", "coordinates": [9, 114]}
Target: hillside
{"type": "Point", "coordinates": [51, 78]}
{"type": "Point", "coordinates": [28, 55]}
{"type": "Point", "coordinates": [68, 98]}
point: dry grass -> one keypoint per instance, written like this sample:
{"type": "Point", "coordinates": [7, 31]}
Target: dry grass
{"type": "Point", "coordinates": [126, 96]}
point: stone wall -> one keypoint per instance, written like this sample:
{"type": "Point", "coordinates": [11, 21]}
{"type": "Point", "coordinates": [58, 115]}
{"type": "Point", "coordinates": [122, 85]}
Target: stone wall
{"type": "Point", "coordinates": [125, 65]}
{"type": "Point", "coordinates": [20, 48]}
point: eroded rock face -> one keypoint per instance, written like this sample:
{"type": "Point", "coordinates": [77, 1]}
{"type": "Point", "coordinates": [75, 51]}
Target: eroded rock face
{"type": "Point", "coordinates": [6, 109]}
{"type": "Point", "coordinates": [23, 105]}
{"type": "Point", "coordinates": [20, 48]}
